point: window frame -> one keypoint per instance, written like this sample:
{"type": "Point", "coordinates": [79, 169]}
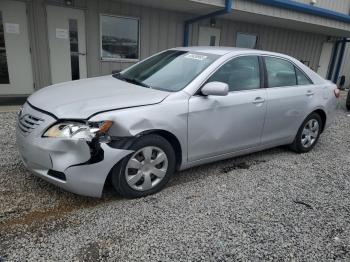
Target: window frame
{"type": "Point", "coordinates": [261, 74]}
{"type": "Point", "coordinates": [247, 33]}
{"type": "Point", "coordinates": [266, 84]}
{"type": "Point", "coordinates": [102, 59]}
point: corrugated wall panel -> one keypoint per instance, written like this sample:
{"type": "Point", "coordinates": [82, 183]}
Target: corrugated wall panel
{"type": "Point", "coordinates": [270, 39]}
{"type": "Point", "coordinates": [39, 43]}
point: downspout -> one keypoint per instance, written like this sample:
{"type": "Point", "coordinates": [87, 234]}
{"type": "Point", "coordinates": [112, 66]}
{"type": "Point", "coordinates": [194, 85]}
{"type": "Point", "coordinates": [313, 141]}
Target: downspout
{"type": "Point", "coordinates": [226, 10]}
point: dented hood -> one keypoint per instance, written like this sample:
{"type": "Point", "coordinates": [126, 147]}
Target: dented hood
{"type": "Point", "coordinates": [83, 98]}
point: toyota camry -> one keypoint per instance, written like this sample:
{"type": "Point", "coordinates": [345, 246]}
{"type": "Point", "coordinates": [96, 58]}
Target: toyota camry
{"type": "Point", "coordinates": [177, 109]}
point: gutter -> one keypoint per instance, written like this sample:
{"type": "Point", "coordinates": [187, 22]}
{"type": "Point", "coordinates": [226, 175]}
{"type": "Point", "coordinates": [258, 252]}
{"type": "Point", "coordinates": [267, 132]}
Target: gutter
{"type": "Point", "coordinates": [308, 9]}
{"type": "Point", "coordinates": [227, 9]}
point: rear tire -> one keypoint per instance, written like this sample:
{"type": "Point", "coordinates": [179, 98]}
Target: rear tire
{"type": "Point", "coordinates": [308, 134]}
{"type": "Point", "coordinates": [348, 101]}
{"type": "Point", "coordinates": [147, 170]}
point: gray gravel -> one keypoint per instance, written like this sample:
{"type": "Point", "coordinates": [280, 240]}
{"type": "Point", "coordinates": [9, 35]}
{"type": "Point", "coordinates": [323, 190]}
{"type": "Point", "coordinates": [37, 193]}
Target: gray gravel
{"type": "Point", "coordinates": [272, 205]}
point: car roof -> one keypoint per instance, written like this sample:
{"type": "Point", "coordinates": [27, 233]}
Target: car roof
{"type": "Point", "coordinates": [223, 50]}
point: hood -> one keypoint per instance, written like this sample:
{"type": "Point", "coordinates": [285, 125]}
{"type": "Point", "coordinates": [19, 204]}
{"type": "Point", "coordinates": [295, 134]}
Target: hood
{"type": "Point", "coordinates": [82, 98]}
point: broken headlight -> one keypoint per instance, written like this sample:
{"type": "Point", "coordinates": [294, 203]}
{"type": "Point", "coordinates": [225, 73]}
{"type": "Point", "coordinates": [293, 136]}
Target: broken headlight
{"type": "Point", "coordinates": [78, 130]}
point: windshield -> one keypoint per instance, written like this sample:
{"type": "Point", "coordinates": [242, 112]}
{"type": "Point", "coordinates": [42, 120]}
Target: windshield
{"type": "Point", "coordinates": [171, 70]}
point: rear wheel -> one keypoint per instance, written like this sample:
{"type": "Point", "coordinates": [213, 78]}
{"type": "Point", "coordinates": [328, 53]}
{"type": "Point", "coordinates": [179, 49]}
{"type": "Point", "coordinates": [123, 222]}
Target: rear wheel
{"type": "Point", "coordinates": [348, 101]}
{"type": "Point", "coordinates": [147, 170]}
{"type": "Point", "coordinates": [308, 134]}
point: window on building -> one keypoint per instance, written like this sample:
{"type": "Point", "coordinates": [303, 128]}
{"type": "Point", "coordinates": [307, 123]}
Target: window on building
{"type": "Point", "coordinates": [301, 77]}
{"type": "Point", "coordinates": [119, 37]}
{"type": "Point", "coordinates": [240, 73]}
{"type": "Point", "coordinates": [246, 40]}
{"type": "Point", "coordinates": [280, 72]}
{"type": "Point", "coordinates": [4, 73]}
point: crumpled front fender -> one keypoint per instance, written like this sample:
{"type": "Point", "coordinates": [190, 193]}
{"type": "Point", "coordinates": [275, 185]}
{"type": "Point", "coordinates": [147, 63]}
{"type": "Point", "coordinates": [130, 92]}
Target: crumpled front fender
{"type": "Point", "coordinates": [89, 179]}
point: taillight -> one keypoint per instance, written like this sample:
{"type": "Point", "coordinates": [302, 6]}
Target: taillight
{"type": "Point", "coordinates": [337, 92]}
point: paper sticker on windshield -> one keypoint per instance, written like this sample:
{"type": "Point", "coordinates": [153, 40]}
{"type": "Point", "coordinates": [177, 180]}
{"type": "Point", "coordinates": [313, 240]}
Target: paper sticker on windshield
{"type": "Point", "coordinates": [196, 57]}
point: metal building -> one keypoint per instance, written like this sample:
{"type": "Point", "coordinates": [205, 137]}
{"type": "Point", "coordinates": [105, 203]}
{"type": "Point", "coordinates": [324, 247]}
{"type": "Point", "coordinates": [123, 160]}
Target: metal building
{"type": "Point", "coordinates": [43, 42]}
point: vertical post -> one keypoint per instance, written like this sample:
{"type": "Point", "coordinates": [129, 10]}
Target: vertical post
{"type": "Point", "coordinates": [340, 60]}
{"type": "Point", "coordinates": [334, 59]}
{"type": "Point", "coordinates": [186, 33]}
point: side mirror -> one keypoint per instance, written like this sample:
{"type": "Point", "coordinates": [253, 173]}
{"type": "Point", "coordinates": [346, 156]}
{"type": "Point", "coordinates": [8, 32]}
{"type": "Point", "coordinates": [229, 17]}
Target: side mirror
{"type": "Point", "coordinates": [215, 89]}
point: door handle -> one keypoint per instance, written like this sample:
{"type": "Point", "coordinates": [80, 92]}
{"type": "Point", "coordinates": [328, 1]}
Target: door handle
{"type": "Point", "coordinates": [81, 53]}
{"type": "Point", "coordinates": [259, 100]}
{"type": "Point", "coordinates": [310, 93]}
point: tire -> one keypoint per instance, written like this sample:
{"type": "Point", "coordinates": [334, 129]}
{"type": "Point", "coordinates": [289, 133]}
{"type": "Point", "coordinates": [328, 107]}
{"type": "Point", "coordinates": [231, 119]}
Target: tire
{"type": "Point", "coordinates": [299, 145]}
{"type": "Point", "coordinates": [139, 168]}
{"type": "Point", "coordinates": [348, 101]}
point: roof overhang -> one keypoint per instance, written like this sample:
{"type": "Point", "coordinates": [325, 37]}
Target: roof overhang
{"type": "Point", "coordinates": [256, 13]}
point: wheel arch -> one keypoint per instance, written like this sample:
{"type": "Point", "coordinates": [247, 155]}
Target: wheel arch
{"type": "Point", "coordinates": [323, 116]}
{"type": "Point", "coordinates": [172, 139]}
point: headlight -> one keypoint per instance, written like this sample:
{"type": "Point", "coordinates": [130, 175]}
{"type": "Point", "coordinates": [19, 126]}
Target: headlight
{"type": "Point", "coordinates": [78, 130]}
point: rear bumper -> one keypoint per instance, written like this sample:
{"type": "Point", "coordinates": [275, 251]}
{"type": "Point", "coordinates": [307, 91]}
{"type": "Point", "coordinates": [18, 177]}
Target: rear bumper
{"type": "Point", "coordinates": [332, 110]}
{"type": "Point", "coordinates": [71, 157]}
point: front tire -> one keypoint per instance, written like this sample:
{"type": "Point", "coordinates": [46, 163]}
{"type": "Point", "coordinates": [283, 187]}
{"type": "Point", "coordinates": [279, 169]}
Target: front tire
{"type": "Point", "coordinates": [147, 170]}
{"type": "Point", "coordinates": [348, 101]}
{"type": "Point", "coordinates": [308, 134]}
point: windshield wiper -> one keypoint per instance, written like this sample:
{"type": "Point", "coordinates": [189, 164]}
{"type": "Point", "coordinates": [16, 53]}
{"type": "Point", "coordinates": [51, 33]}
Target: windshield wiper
{"type": "Point", "coordinates": [131, 80]}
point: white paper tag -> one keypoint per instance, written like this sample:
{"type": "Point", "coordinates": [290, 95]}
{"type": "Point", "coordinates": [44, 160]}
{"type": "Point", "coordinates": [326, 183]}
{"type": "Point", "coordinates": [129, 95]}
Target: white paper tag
{"type": "Point", "coordinates": [196, 57]}
{"type": "Point", "coordinates": [12, 28]}
{"type": "Point", "coordinates": [61, 33]}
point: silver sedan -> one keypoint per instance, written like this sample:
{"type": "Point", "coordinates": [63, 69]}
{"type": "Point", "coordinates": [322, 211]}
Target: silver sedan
{"type": "Point", "coordinates": [177, 109]}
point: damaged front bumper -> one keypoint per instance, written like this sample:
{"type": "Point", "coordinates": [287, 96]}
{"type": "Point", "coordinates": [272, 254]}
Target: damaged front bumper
{"type": "Point", "coordinates": [68, 163]}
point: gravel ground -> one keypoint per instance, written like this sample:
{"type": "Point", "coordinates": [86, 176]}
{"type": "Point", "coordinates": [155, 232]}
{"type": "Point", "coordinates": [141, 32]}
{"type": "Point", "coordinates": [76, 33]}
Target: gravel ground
{"type": "Point", "coordinates": [272, 205]}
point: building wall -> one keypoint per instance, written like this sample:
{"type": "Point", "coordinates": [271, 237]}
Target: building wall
{"type": "Point", "coordinates": [301, 45]}
{"type": "Point", "coordinates": [160, 29]}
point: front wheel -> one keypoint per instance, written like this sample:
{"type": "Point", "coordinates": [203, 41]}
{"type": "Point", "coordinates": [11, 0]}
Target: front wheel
{"type": "Point", "coordinates": [348, 101]}
{"type": "Point", "coordinates": [147, 169]}
{"type": "Point", "coordinates": [308, 134]}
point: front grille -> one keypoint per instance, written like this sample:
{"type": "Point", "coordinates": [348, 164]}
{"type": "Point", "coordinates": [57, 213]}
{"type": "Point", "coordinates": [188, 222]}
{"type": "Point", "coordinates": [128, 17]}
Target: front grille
{"type": "Point", "coordinates": [28, 123]}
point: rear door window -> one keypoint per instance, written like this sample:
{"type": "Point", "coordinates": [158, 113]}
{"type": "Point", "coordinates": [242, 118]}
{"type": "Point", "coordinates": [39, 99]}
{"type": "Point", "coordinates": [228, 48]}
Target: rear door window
{"type": "Point", "coordinates": [301, 78]}
{"type": "Point", "coordinates": [280, 72]}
